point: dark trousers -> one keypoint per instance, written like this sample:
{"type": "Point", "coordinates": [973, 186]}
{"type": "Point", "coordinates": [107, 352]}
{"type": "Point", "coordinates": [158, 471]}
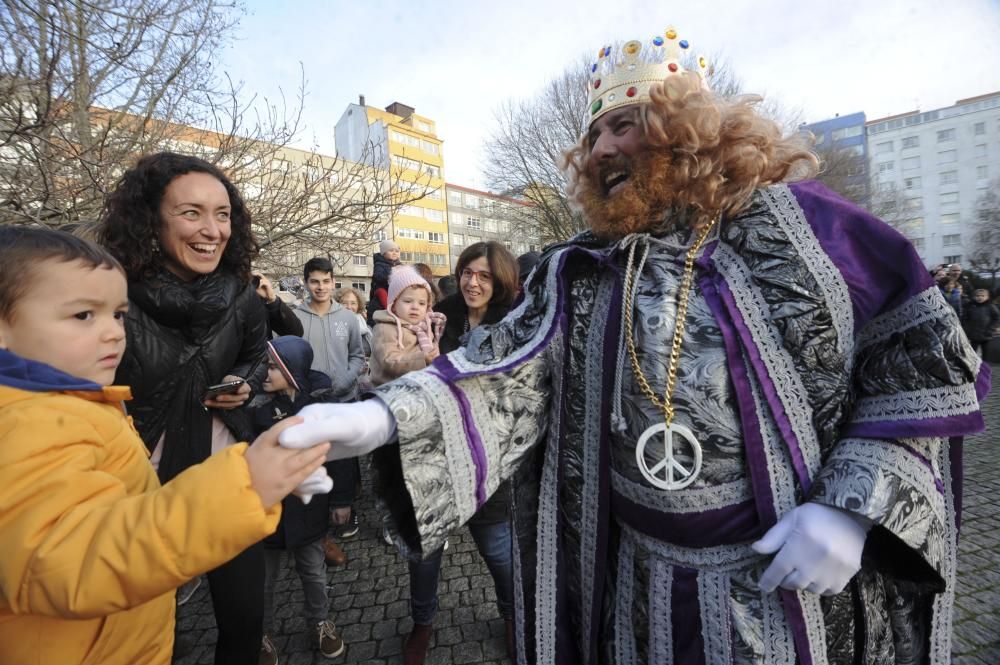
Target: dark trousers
{"type": "Point", "coordinates": [237, 589]}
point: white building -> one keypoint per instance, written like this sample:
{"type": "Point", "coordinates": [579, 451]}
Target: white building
{"type": "Point", "coordinates": [940, 162]}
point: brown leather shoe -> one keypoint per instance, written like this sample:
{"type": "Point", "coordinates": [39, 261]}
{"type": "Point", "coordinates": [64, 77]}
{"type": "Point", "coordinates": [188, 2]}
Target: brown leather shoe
{"type": "Point", "coordinates": [415, 649]}
{"type": "Point", "coordinates": [508, 625]}
{"type": "Point", "coordinates": [334, 555]}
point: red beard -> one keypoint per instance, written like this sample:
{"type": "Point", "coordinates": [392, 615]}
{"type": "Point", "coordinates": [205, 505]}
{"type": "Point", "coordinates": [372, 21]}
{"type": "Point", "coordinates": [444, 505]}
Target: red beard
{"type": "Point", "coordinates": [638, 205]}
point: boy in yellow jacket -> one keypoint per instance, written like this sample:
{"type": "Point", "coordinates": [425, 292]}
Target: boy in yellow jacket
{"type": "Point", "coordinates": [92, 546]}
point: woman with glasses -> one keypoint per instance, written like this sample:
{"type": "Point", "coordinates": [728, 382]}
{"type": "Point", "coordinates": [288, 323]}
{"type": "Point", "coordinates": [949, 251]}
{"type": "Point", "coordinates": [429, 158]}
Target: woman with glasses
{"type": "Point", "coordinates": [487, 284]}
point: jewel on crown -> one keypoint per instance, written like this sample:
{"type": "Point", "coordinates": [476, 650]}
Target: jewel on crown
{"type": "Point", "coordinates": [625, 74]}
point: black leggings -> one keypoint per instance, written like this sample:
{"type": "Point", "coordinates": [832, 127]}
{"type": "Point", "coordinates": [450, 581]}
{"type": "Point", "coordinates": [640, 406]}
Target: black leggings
{"type": "Point", "coordinates": [237, 589]}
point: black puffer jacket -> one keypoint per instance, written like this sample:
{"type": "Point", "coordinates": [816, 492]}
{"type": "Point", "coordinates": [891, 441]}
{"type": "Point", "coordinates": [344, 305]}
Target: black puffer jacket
{"type": "Point", "coordinates": [183, 337]}
{"type": "Point", "coordinates": [980, 319]}
{"type": "Point", "coordinates": [497, 507]}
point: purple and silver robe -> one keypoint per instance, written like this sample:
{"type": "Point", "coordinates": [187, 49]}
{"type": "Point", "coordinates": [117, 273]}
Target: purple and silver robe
{"type": "Point", "coordinates": [819, 364]}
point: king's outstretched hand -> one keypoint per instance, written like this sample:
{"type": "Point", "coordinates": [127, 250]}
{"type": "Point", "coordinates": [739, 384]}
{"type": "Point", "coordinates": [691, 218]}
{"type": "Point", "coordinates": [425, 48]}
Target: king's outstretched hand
{"type": "Point", "coordinates": [819, 549]}
{"type": "Point", "coordinates": [352, 429]}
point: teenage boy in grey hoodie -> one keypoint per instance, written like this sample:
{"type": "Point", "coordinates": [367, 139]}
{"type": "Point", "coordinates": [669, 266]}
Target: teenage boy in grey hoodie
{"type": "Point", "coordinates": [333, 333]}
{"type": "Point", "coordinates": [331, 330]}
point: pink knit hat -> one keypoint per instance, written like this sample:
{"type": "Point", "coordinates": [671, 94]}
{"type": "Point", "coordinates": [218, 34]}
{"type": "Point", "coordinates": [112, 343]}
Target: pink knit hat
{"type": "Point", "coordinates": [400, 279]}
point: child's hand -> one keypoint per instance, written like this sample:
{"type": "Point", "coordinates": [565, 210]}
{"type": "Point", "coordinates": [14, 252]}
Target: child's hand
{"type": "Point", "coordinates": [276, 471]}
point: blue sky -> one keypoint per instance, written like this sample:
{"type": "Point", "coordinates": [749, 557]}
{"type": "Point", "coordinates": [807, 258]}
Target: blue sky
{"type": "Point", "coordinates": [457, 61]}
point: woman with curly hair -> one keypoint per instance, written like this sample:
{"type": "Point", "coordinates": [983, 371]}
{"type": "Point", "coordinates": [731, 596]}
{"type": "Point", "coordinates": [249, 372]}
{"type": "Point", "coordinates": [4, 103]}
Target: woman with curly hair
{"type": "Point", "coordinates": [182, 232]}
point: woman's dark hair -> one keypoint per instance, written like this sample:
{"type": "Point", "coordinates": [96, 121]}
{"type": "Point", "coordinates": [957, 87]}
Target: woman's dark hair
{"type": "Point", "coordinates": [503, 265]}
{"type": "Point", "coordinates": [130, 221]}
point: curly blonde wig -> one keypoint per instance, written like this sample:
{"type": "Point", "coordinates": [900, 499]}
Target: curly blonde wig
{"type": "Point", "coordinates": [718, 151]}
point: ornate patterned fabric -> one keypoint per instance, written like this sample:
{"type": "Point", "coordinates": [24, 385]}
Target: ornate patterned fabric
{"type": "Point", "coordinates": [818, 365]}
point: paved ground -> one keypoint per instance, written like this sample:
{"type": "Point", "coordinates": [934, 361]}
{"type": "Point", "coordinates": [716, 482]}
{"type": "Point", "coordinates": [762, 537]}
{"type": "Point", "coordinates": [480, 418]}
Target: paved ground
{"type": "Point", "coordinates": [369, 597]}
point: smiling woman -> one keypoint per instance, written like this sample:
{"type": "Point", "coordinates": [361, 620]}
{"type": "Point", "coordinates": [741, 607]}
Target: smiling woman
{"type": "Point", "coordinates": [182, 232]}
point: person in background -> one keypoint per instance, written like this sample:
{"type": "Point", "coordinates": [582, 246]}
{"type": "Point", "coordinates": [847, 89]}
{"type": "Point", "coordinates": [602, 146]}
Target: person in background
{"type": "Point", "coordinates": [182, 232]}
{"type": "Point", "coordinates": [383, 261]}
{"type": "Point", "coordinates": [93, 544]}
{"type": "Point", "coordinates": [947, 283]}
{"type": "Point", "coordinates": [447, 286]}
{"type": "Point", "coordinates": [332, 331]}
{"type": "Point", "coordinates": [980, 319]}
{"type": "Point", "coordinates": [525, 264]}
{"type": "Point", "coordinates": [487, 278]}
{"type": "Point", "coordinates": [351, 299]}
{"type": "Point", "coordinates": [290, 386]}
{"type": "Point", "coordinates": [425, 271]}
{"type": "Point", "coordinates": [281, 320]}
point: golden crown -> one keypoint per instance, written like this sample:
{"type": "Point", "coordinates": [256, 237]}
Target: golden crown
{"type": "Point", "coordinates": [624, 76]}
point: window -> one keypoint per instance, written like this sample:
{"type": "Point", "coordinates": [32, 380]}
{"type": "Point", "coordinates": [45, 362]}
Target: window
{"type": "Point", "coordinates": [950, 218]}
{"type": "Point", "coordinates": [911, 163]}
{"type": "Point", "coordinates": [914, 225]}
{"type": "Point", "coordinates": [455, 218]}
{"type": "Point", "coordinates": [980, 150]}
{"type": "Point", "coordinates": [856, 150]}
{"type": "Point", "coordinates": [945, 135]}
{"type": "Point", "coordinates": [474, 223]}
{"type": "Point", "coordinates": [414, 257]}
{"type": "Point", "coordinates": [914, 203]}
{"type": "Point", "coordinates": [982, 172]}
{"type": "Point", "coordinates": [433, 215]}
{"type": "Point", "coordinates": [846, 132]}
{"type": "Point", "coordinates": [951, 240]}
{"type": "Point", "coordinates": [949, 177]}
{"type": "Point", "coordinates": [457, 239]}
{"type": "Point", "coordinates": [337, 285]}
{"type": "Point", "coordinates": [912, 183]}
{"type": "Point", "coordinates": [454, 198]}
{"type": "Point", "coordinates": [911, 142]}
{"type": "Point", "coordinates": [979, 128]}
{"type": "Point", "coordinates": [427, 146]}
{"type": "Point", "coordinates": [949, 198]}
{"type": "Point", "coordinates": [412, 234]}
{"type": "Point", "coordinates": [433, 195]}
{"type": "Point", "coordinates": [380, 235]}
{"type": "Point", "coordinates": [885, 167]}
{"type": "Point", "coordinates": [411, 210]}
{"type": "Point", "coordinates": [954, 258]}
{"type": "Point", "coordinates": [947, 157]}
{"type": "Point", "coordinates": [359, 260]}
{"type": "Point", "coordinates": [405, 163]}
{"type": "Point", "coordinates": [436, 237]}
{"type": "Point", "coordinates": [471, 201]}
{"type": "Point", "coordinates": [433, 171]}
{"type": "Point", "coordinates": [439, 260]}
{"type": "Point", "coordinates": [918, 244]}
{"type": "Point", "coordinates": [423, 126]}
{"type": "Point", "coordinates": [491, 226]}
{"type": "Point", "coordinates": [882, 148]}
{"type": "Point", "coordinates": [360, 286]}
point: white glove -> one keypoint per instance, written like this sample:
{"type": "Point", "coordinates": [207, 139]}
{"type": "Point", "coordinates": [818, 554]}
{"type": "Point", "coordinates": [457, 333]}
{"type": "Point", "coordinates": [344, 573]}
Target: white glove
{"type": "Point", "coordinates": [352, 429]}
{"type": "Point", "coordinates": [820, 549]}
{"type": "Point", "coordinates": [318, 482]}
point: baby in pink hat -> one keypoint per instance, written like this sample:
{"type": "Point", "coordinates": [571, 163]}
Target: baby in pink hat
{"type": "Point", "coordinates": [405, 336]}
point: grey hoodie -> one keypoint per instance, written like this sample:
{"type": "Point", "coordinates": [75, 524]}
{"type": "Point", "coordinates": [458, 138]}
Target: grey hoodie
{"type": "Point", "coordinates": [336, 343]}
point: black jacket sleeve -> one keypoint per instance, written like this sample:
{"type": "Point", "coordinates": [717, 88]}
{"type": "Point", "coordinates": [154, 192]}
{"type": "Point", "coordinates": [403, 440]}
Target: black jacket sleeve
{"type": "Point", "coordinates": [282, 320]}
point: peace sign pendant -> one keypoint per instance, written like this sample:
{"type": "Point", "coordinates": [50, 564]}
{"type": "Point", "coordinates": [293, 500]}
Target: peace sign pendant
{"type": "Point", "coordinates": [668, 473]}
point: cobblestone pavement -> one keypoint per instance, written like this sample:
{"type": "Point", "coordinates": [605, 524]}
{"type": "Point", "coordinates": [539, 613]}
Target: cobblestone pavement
{"type": "Point", "coordinates": [977, 604]}
{"type": "Point", "coordinates": [370, 595]}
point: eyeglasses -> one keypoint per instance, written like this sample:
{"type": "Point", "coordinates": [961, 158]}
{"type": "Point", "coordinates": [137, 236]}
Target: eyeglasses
{"type": "Point", "coordinates": [482, 276]}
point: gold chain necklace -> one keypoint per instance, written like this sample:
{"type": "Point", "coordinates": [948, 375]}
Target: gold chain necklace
{"type": "Point", "coordinates": [668, 465]}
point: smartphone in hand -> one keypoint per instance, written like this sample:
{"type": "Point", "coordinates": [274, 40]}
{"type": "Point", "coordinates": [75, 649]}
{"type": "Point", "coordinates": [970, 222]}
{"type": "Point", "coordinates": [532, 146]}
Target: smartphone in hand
{"type": "Point", "coordinates": [222, 389]}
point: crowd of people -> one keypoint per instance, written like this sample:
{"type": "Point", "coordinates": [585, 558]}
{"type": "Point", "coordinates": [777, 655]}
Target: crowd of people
{"type": "Point", "coordinates": [723, 425]}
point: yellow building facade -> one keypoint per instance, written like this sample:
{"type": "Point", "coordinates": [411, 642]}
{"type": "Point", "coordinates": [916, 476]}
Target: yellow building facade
{"type": "Point", "coordinates": [407, 145]}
